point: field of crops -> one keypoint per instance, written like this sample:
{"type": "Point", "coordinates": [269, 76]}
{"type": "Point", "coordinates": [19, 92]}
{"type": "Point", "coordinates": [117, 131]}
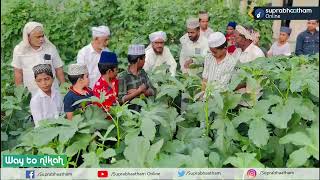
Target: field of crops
{"type": "Point", "coordinates": [226, 129]}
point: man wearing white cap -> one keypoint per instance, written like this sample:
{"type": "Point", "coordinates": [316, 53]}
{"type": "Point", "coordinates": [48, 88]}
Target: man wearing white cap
{"type": "Point", "coordinates": [135, 81]}
{"type": "Point", "coordinates": [35, 48]}
{"type": "Point", "coordinates": [204, 19]}
{"type": "Point", "coordinates": [193, 45]}
{"type": "Point", "coordinates": [219, 64]}
{"type": "Point", "coordinates": [157, 53]}
{"type": "Point", "coordinates": [90, 54]}
{"type": "Point", "coordinates": [247, 51]}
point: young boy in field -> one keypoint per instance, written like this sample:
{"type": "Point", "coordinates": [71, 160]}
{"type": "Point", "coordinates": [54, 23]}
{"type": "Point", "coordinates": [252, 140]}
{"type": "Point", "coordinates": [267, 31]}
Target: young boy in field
{"type": "Point", "coordinates": [230, 36]}
{"type": "Point", "coordinates": [108, 82]}
{"type": "Point", "coordinates": [78, 76]}
{"type": "Point", "coordinates": [135, 81]}
{"type": "Point", "coordinates": [281, 47]}
{"type": "Point", "coordinates": [47, 101]}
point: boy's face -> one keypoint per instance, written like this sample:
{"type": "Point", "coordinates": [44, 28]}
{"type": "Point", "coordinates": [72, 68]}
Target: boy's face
{"type": "Point", "coordinates": [113, 74]}
{"type": "Point", "coordinates": [44, 82]}
{"type": "Point", "coordinates": [141, 62]}
{"type": "Point", "coordinates": [283, 37]}
{"type": "Point", "coordinates": [230, 30]}
{"type": "Point", "coordinates": [85, 80]}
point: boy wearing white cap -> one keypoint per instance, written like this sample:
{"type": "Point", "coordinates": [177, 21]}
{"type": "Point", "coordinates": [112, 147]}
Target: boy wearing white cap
{"type": "Point", "coordinates": [47, 102]}
{"type": "Point", "coordinates": [281, 47]}
{"type": "Point", "coordinates": [90, 54]}
{"type": "Point", "coordinates": [78, 76]}
{"type": "Point", "coordinates": [219, 64]}
{"type": "Point", "coordinates": [135, 81]}
{"type": "Point", "coordinates": [157, 53]}
{"type": "Point", "coordinates": [193, 45]}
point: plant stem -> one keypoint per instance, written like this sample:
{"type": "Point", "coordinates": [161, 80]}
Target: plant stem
{"type": "Point", "coordinates": [277, 88]}
{"type": "Point", "coordinates": [77, 157]}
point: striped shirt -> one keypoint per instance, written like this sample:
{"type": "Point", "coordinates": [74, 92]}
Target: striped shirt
{"type": "Point", "coordinates": [221, 72]}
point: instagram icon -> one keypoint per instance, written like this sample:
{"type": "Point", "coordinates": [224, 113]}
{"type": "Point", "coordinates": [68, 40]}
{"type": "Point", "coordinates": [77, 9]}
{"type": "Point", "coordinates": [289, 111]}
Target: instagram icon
{"type": "Point", "coordinates": [251, 173]}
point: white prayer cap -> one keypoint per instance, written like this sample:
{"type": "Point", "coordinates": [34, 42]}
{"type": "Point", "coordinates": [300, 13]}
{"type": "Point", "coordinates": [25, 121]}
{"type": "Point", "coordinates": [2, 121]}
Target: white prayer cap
{"type": "Point", "coordinates": [203, 15]}
{"type": "Point", "coordinates": [193, 23]}
{"type": "Point", "coordinates": [136, 49]}
{"type": "Point", "coordinates": [77, 69]}
{"type": "Point", "coordinates": [245, 32]}
{"type": "Point", "coordinates": [157, 35]}
{"type": "Point", "coordinates": [100, 31]}
{"type": "Point", "coordinates": [216, 39]}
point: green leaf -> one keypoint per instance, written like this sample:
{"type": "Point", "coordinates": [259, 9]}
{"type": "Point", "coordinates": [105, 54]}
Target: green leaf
{"type": "Point", "coordinates": [298, 158]}
{"type": "Point", "coordinates": [136, 151]}
{"type": "Point", "coordinates": [298, 138]}
{"type": "Point", "coordinates": [47, 150]}
{"type": "Point", "coordinates": [169, 90]}
{"type": "Point", "coordinates": [214, 159]}
{"type": "Point", "coordinates": [258, 132]}
{"type": "Point", "coordinates": [44, 136]}
{"type": "Point", "coordinates": [91, 160]}
{"type": "Point", "coordinates": [4, 136]}
{"type": "Point", "coordinates": [148, 128]}
{"type": "Point", "coordinates": [153, 151]}
{"type": "Point", "coordinates": [244, 160]}
{"type": "Point", "coordinates": [198, 160]}
{"type": "Point", "coordinates": [108, 153]}
{"type": "Point", "coordinates": [174, 146]}
{"type": "Point", "coordinates": [281, 114]}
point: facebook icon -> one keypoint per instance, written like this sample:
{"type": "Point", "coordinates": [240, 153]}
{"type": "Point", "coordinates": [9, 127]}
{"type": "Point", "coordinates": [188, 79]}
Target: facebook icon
{"type": "Point", "coordinates": [30, 174]}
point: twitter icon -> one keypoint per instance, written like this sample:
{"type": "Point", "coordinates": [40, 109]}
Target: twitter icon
{"type": "Point", "coordinates": [181, 172]}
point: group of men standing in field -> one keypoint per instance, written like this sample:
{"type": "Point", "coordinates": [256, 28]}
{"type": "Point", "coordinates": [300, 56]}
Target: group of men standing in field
{"type": "Point", "coordinates": [212, 55]}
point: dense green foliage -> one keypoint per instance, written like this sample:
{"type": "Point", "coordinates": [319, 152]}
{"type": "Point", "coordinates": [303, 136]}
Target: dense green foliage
{"type": "Point", "coordinates": [279, 129]}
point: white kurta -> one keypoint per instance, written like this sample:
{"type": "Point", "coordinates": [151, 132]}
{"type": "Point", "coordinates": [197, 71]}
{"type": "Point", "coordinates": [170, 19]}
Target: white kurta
{"type": "Point", "coordinates": [221, 72]}
{"type": "Point", "coordinates": [43, 106]}
{"type": "Point", "coordinates": [30, 58]}
{"type": "Point", "coordinates": [207, 32]}
{"type": "Point", "coordinates": [192, 49]}
{"type": "Point", "coordinates": [88, 56]}
{"type": "Point", "coordinates": [154, 60]}
{"type": "Point", "coordinates": [277, 49]}
{"type": "Point", "coordinates": [251, 53]}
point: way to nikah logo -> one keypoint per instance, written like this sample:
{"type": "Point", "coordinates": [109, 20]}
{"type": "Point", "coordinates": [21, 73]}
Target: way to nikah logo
{"type": "Point", "coordinates": [15, 161]}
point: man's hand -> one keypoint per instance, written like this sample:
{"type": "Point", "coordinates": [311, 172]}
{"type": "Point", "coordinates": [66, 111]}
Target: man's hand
{"type": "Point", "coordinates": [187, 63]}
{"type": "Point", "coordinates": [131, 91]}
{"type": "Point", "coordinates": [142, 88]}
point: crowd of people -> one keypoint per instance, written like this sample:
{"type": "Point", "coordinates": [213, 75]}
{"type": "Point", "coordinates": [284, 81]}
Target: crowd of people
{"type": "Point", "coordinates": [38, 66]}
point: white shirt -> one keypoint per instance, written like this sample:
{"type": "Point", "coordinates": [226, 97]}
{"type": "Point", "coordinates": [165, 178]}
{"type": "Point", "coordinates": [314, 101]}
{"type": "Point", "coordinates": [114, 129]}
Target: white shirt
{"type": "Point", "coordinates": [277, 49]}
{"type": "Point", "coordinates": [221, 72]}
{"type": "Point", "coordinates": [154, 60]}
{"type": "Point", "coordinates": [31, 58]}
{"type": "Point", "coordinates": [251, 53]}
{"type": "Point", "coordinates": [207, 32]}
{"type": "Point", "coordinates": [192, 49]}
{"type": "Point", "coordinates": [43, 106]}
{"type": "Point", "coordinates": [88, 56]}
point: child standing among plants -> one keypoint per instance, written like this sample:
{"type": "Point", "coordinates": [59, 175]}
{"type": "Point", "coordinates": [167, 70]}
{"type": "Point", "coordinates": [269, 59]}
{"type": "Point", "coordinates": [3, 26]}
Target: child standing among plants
{"type": "Point", "coordinates": [135, 81]}
{"type": "Point", "coordinates": [281, 47]}
{"type": "Point", "coordinates": [108, 82]}
{"type": "Point", "coordinates": [78, 76]}
{"type": "Point", "coordinates": [230, 36]}
{"type": "Point", "coordinates": [47, 102]}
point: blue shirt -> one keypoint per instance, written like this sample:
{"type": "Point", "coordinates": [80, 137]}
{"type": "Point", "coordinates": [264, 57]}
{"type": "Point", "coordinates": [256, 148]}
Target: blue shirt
{"type": "Point", "coordinates": [307, 43]}
{"type": "Point", "coordinates": [71, 97]}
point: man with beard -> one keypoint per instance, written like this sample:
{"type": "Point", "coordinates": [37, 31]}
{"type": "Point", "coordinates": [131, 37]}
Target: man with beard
{"type": "Point", "coordinates": [193, 44]}
{"type": "Point", "coordinates": [157, 53]}
{"type": "Point", "coordinates": [90, 54]}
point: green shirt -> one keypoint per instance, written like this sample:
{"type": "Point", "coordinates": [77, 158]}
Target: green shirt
{"type": "Point", "coordinates": [128, 81]}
